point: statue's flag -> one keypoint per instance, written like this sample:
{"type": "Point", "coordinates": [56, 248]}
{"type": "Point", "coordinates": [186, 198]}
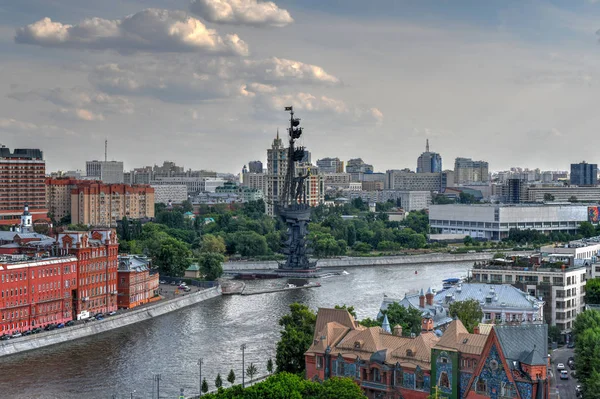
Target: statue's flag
{"type": "Point", "coordinates": [288, 108]}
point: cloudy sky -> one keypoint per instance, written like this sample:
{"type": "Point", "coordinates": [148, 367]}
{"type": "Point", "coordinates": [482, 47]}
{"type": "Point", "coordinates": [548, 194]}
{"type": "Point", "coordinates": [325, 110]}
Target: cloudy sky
{"type": "Point", "coordinates": [204, 82]}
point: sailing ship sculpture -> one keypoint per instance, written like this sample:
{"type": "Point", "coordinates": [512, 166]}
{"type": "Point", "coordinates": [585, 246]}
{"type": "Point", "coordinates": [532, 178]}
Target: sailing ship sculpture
{"type": "Point", "coordinates": [292, 206]}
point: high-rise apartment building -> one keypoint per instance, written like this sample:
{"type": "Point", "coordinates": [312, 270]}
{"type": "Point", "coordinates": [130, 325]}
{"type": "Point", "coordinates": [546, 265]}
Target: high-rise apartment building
{"type": "Point", "coordinates": [255, 167]}
{"type": "Point", "coordinates": [22, 176]}
{"type": "Point", "coordinates": [467, 171]}
{"type": "Point", "coordinates": [514, 191]}
{"type": "Point", "coordinates": [330, 165]}
{"type": "Point", "coordinates": [276, 170]}
{"type": "Point", "coordinates": [584, 174]}
{"type": "Point", "coordinates": [429, 162]}
{"type": "Point", "coordinates": [110, 172]}
{"type": "Point", "coordinates": [58, 196]}
{"type": "Point", "coordinates": [406, 180]}
{"type": "Point", "coordinates": [98, 204]}
{"type": "Point", "coordinates": [357, 165]}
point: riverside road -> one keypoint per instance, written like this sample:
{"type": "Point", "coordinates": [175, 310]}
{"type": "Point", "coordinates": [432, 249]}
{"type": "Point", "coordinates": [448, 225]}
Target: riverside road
{"type": "Point", "coordinates": [122, 361]}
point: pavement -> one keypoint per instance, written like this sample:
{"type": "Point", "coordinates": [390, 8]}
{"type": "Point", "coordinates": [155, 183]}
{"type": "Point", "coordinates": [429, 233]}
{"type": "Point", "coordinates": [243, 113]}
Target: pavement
{"type": "Point", "coordinates": [562, 389]}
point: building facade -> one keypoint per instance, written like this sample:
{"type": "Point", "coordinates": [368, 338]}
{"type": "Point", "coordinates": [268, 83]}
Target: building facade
{"type": "Point", "coordinates": [256, 181]}
{"type": "Point", "coordinates": [36, 292]}
{"type": "Point", "coordinates": [563, 194]}
{"type": "Point", "coordinates": [514, 191]}
{"type": "Point", "coordinates": [58, 195]}
{"type": "Point", "coordinates": [429, 162]}
{"type": "Point", "coordinates": [22, 177]}
{"type": "Point", "coordinates": [584, 174]}
{"type": "Point", "coordinates": [245, 194]}
{"type": "Point", "coordinates": [494, 221]}
{"type": "Point", "coordinates": [255, 167]}
{"type": "Point", "coordinates": [99, 204]}
{"type": "Point", "coordinates": [357, 165]}
{"type": "Point", "coordinates": [330, 165]}
{"type": "Point", "coordinates": [174, 193]}
{"type": "Point", "coordinates": [407, 200]}
{"type": "Point", "coordinates": [276, 170]}
{"type": "Point", "coordinates": [97, 264]}
{"type": "Point", "coordinates": [109, 172]}
{"type": "Point", "coordinates": [467, 171]}
{"type": "Point", "coordinates": [136, 286]}
{"type": "Point", "coordinates": [407, 180]}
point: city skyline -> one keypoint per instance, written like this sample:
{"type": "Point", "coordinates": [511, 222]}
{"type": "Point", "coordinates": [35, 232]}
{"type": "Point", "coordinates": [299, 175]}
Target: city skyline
{"type": "Point", "coordinates": [195, 83]}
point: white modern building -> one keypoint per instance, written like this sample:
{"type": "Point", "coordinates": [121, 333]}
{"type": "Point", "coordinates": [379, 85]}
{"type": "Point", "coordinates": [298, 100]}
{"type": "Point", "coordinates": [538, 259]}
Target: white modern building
{"type": "Point", "coordinates": [409, 200]}
{"type": "Point", "coordinates": [494, 221]}
{"type": "Point", "coordinates": [110, 172]}
{"type": "Point", "coordinates": [165, 193]}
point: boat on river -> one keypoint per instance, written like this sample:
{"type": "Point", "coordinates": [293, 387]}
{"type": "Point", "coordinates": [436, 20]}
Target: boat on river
{"type": "Point", "coordinates": [451, 282]}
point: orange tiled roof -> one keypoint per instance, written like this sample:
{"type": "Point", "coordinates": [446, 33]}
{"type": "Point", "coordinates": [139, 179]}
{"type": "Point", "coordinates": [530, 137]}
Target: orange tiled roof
{"type": "Point", "coordinates": [458, 338]}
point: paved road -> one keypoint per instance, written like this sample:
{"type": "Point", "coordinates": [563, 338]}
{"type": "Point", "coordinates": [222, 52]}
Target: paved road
{"type": "Point", "coordinates": [566, 388]}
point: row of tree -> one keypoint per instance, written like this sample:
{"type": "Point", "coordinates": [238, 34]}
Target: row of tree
{"type": "Point", "coordinates": [251, 372]}
{"type": "Point", "coordinates": [586, 330]}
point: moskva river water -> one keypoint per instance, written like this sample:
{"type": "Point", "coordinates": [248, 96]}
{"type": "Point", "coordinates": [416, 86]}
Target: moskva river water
{"type": "Point", "coordinates": [124, 361]}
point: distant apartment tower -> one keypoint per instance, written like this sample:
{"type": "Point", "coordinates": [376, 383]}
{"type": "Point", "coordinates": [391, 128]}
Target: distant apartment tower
{"type": "Point", "coordinates": [101, 205]}
{"type": "Point", "coordinates": [407, 180]}
{"type": "Point", "coordinates": [22, 176]}
{"type": "Point", "coordinates": [330, 165]}
{"type": "Point", "coordinates": [429, 162]}
{"type": "Point", "coordinates": [467, 171]}
{"type": "Point", "coordinates": [358, 166]}
{"type": "Point", "coordinates": [514, 191]}
{"type": "Point", "coordinates": [255, 167]}
{"type": "Point", "coordinates": [584, 174]}
{"type": "Point", "coordinates": [256, 180]}
{"type": "Point", "coordinates": [58, 196]}
{"type": "Point", "coordinates": [110, 172]}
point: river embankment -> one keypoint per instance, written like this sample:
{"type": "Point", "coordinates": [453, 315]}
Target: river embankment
{"type": "Point", "coordinates": [347, 262]}
{"type": "Point", "coordinates": [68, 334]}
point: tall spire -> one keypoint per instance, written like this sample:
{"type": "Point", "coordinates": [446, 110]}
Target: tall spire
{"type": "Point", "coordinates": [277, 133]}
{"type": "Point", "coordinates": [386, 324]}
{"type": "Point", "coordinates": [427, 145]}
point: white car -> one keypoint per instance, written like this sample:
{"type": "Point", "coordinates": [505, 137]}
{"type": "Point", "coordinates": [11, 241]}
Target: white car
{"type": "Point", "coordinates": [564, 375]}
{"type": "Point", "coordinates": [560, 366]}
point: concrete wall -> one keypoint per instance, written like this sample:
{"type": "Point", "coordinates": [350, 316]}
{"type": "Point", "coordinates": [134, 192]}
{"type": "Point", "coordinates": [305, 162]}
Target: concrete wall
{"type": "Point", "coordinates": [85, 330]}
{"type": "Point", "coordinates": [373, 261]}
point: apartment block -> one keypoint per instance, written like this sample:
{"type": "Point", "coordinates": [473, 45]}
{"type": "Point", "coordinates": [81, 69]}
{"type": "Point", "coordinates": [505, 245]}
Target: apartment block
{"type": "Point", "coordinates": [100, 204]}
{"type": "Point", "coordinates": [22, 176]}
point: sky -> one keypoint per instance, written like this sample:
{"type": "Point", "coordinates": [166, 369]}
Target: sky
{"type": "Point", "coordinates": [204, 83]}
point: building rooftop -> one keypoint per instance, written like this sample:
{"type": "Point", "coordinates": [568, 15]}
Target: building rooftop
{"type": "Point", "coordinates": [458, 338]}
{"type": "Point", "coordinates": [525, 343]}
{"type": "Point", "coordinates": [501, 295]}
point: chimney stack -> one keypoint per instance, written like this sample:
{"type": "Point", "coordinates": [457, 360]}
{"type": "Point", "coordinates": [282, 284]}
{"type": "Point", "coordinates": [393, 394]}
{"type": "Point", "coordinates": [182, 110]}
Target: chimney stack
{"type": "Point", "coordinates": [427, 324]}
{"type": "Point", "coordinates": [421, 299]}
{"type": "Point", "coordinates": [476, 329]}
{"type": "Point", "coordinates": [398, 330]}
{"type": "Point", "coordinates": [429, 297]}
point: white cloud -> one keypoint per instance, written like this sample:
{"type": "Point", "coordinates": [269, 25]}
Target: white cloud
{"type": "Point", "coordinates": [282, 70]}
{"type": "Point", "coordinates": [242, 12]}
{"type": "Point", "coordinates": [32, 129]}
{"type": "Point", "coordinates": [81, 114]}
{"type": "Point", "coordinates": [151, 30]}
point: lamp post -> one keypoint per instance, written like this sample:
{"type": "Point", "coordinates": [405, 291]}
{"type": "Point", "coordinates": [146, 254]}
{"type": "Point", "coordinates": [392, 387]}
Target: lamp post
{"type": "Point", "coordinates": [243, 348]}
{"type": "Point", "coordinates": [200, 361]}
{"type": "Point", "coordinates": [132, 393]}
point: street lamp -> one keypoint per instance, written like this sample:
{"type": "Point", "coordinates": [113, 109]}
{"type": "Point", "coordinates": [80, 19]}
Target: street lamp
{"type": "Point", "coordinates": [134, 391]}
{"type": "Point", "coordinates": [243, 348]}
{"type": "Point", "coordinates": [200, 361]}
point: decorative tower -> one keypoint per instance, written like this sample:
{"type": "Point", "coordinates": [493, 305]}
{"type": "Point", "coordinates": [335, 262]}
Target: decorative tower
{"type": "Point", "coordinates": [292, 207]}
{"type": "Point", "coordinates": [26, 221]}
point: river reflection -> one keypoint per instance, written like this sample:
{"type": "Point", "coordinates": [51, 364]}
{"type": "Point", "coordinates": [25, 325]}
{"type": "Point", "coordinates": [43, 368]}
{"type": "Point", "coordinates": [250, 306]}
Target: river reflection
{"type": "Point", "coordinates": [121, 361]}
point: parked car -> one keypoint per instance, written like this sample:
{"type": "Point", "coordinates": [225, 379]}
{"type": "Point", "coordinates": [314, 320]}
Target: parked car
{"type": "Point", "coordinates": [578, 391]}
{"type": "Point", "coordinates": [173, 283]}
{"type": "Point", "coordinates": [97, 315]}
{"type": "Point", "coordinates": [60, 325]}
{"type": "Point", "coordinates": [564, 375]}
{"type": "Point", "coordinates": [17, 335]}
{"type": "Point", "coordinates": [99, 318]}
{"type": "Point", "coordinates": [112, 313]}
{"type": "Point", "coordinates": [571, 344]}
{"type": "Point", "coordinates": [162, 282]}
{"type": "Point", "coordinates": [560, 366]}
{"type": "Point", "coordinates": [26, 333]}
{"type": "Point", "coordinates": [50, 327]}
{"type": "Point", "coordinates": [69, 323]}
{"type": "Point", "coordinates": [36, 330]}
{"type": "Point", "coordinates": [4, 337]}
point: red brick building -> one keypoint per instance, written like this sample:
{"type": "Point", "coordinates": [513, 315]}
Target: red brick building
{"type": "Point", "coordinates": [97, 265]}
{"type": "Point", "coordinates": [136, 286]}
{"type": "Point", "coordinates": [35, 293]}
{"type": "Point", "coordinates": [22, 176]}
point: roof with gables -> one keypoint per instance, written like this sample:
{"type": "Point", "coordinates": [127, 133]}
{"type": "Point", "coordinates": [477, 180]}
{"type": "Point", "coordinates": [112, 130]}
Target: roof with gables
{"type": "Point", "coordinates": [456, 337]}
{"type": "Point", "coordinates": [523, 343]}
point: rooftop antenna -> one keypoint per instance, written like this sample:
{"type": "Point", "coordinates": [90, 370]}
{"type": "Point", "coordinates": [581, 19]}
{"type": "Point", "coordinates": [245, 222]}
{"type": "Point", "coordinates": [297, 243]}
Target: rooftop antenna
{"type": "Point", "coordinates": [105, 150]}
{"type": "Point", "coordinates": [426, 145]}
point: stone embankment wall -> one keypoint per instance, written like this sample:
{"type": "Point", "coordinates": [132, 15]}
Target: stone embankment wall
{"type": "Point", "coordinates": [375, 261]}
{"type": "Point", "coordinates": [66, 334]}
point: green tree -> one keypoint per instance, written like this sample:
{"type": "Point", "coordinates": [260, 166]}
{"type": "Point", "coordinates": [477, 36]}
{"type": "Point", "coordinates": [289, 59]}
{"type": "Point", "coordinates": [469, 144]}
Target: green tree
{"type": "Point", "coordinates": [468, 312]}
{"type": "Point", "coordinates": [468, 241]}
{"type": "Point", "coordinates": [362, 247]}
{"type": "Point", "coordinates": [204, 386]}
{"type": "Point", "coordinates": [554, 334]}
{"type": "Point", "coordinates": [211, 265]}
{"type": "Point", "coordinates": [41, 229]}
{"type": "Point", "coordinates": [591, 386]}
{"type": "Point", "coordinates": [441, 199]}
{"type": "Point", "coordinates": [173, 257]}
{"type": "Point", "coordinates": [350, 309]}
{"type": "Point", "coordinates": [65, 220]}
{"type": "Point", "coordinates": [296, 338]}
{"type": "Point", "coordinates": [125, 232]}
{"type": "Point", "coordinates": [186, 206]}
{"type": "Point", "coordinates": [218, 381]}
{"type": "Point", "coordinates": [573, 198]}
{"type": "Point", "coordinates": [231, 377]}
{"type": "Point", "coordinates": [410, 319]}
{"type": "Point", "coordinates": [587, 229]}
{"type": "Point", "coordinates": [248, 243]}
{"type": "Point", "coordinates": [251, 371]}
{"type": "Point", "coordinates": [548, 197]}
{"type": "Point", "coordinates": [584, 320]}
{"type": "Point", "coordinates": [587, 352]}
{"type": "Point", "coordinates": [466, 198]}
{"type": "Point", "coordinates": [212, 243]}
{"type": "Point", "coordinates": [592, 291]}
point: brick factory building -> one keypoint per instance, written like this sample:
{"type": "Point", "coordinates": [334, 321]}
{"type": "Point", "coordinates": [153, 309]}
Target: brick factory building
{"type": "Point", "coordinates": [99, 204]}
{"type": "Point", "coordinates": [22, 175]}
{"type": "Point", "coordinates": [136, 286]}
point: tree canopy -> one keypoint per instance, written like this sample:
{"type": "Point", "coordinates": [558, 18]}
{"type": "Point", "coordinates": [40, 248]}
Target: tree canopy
{"type": "Point", "coordinates": [296, 337]}
{"type": "Point", "coordinates": [592, 291]}
{"type": "Point", "coordinates": [468, 312]}
{"type": "Point", "coordinates": [211, 265]}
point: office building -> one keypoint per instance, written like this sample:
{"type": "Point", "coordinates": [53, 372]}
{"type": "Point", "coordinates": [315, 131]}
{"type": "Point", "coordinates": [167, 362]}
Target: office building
{"type": "Point", "coordinates": [109, 172]}
{"type": "Point", "coordinates": [357, 165]}
{"type": "Point", "coordinates": [584, 174]}
{"type": "Point", "coordinates": [407, 200]}
{"type": "Point", "coordinates": [467, 171]}
{"type": "Point", "coordinates": [514, 191]}
{"type": "Point", "coordinates": [407, 180]}
{"type": "Point", "coordinates": [245, 194]}
{"type": "Point", "coordinates": [256, 181]}
{"type": "Point", "coordinates": [255, 167]}
{"type": "Point", "coordinates": [22, 176]}
{"type": "Point", "coordinates": [170, 193]}
{"type": "Point", "coordinates": [372, 185]}
{"type": "Point", "coordinates": [494, 221]}
{"type": "Point", "coordinates": [563, 193]}
{"type": "Point", "coordinates": [429, 162]}
{"type": "Point", "coordinates": [98, 204]}
{"type": "Point", "coordinates": [330, 165]}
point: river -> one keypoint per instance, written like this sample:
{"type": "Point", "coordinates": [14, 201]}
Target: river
{"type": "Point", "coordinates": [123, 361]}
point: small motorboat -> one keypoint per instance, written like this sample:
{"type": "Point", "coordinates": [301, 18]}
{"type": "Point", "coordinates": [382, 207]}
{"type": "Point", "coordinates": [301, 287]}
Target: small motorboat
{"type": "Point", "coordinates": [290, 285]}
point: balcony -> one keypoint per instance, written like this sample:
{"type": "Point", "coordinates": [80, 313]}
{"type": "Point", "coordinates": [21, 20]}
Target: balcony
{"type": "Point", "coordinates": [374, 385]}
